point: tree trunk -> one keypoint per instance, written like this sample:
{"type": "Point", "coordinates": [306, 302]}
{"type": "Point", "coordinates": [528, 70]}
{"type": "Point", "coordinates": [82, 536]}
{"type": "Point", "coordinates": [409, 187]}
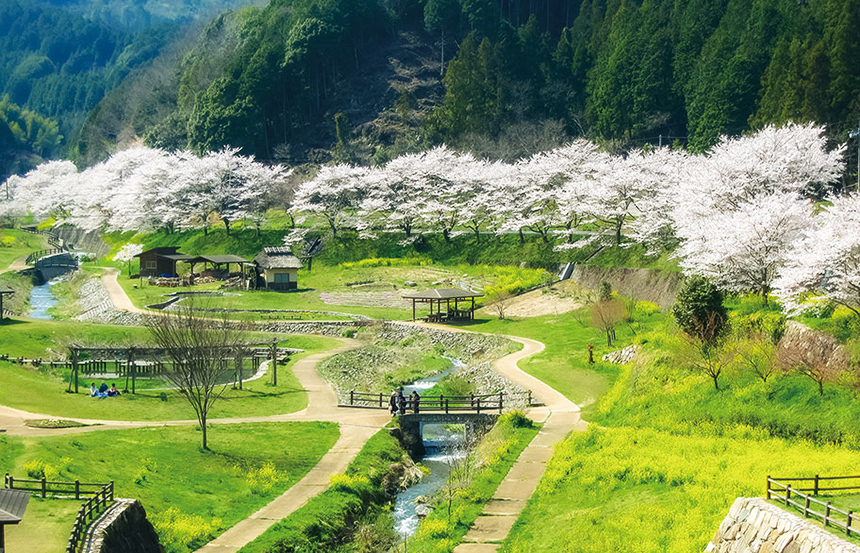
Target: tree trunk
{"type": "Point", "coordinates": [522, 238]}
{"type": "Point", "coordinates": [716, 378]}
{"type": "Point", "coordinates": [446, 235]}
{"type": "Point", "coordinates": [608, 338]}
{"type": "Point", "coordinates": [203, 429]}
{"type": "Point", "coordinates": [227, 225]}
{"type": "Point", "coordinates": [477, 235]}
{"type": "Point", "coordinates": [821, 387]}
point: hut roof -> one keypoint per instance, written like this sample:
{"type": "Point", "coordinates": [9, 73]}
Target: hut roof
{"type": "Point", "coordinates": [443, 294]}
{"type": "Point", "coordinates": [13, 503]}
{"type": "Point", "coordinates": [278, 257]}
{"type": "Point", "coordinates": [218, 259]}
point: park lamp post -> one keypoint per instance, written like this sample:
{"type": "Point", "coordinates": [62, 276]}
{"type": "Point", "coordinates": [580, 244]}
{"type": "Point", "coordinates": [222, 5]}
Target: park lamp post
{"type": "Point", "coordinates": [855, 134]}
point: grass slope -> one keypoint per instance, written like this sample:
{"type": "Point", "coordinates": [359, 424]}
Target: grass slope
{"type": "Point", "coordinates": [248, 466]}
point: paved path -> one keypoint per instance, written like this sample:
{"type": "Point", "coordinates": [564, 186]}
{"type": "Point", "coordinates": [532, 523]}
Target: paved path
{"type": "Point", "coordinates": [117, 295]}
{"type": "Point", "coordinates": [558, 415]}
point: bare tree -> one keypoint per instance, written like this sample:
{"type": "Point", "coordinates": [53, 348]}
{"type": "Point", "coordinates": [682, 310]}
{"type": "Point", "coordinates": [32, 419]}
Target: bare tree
{"type": "Point", "coordinates": [760, 355]}
{"type": "Point", "coordinates": [708, 355]}
{"type": "Point", "coordinates": [500, 300]}
{"type": "Point", "coordinates": [605, 315]}
{"type": "Point", "coordinates": [201, 352]}
{"type": "Point", "coordinates": [819, 359]}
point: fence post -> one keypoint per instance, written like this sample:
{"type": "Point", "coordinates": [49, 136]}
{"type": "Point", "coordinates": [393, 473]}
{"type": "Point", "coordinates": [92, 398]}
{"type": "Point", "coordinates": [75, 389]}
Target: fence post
{"type": "Point", "coordinates": [806, 507]}
{"type": "Point", "coordinates": [787, 495]}
{"type": "Point", "coordinates": [768, 486]}
{"type": "Point", "coordinates": [501, 401]}
{"type": "Point", "coordinates": [816, 485]}
{"type": "Point", "coordinates": [77, 489]}
{"type": "Point", "coordinates": [11, 482]}
{"type": "Point", "coordinates": [479, 406]}
{"type": "Point", "coordinates": [848, 524]}
{"type": "Point", "coordinates": [827, 514]}
{"type": "Point", "coordinates": [44, 487]}
{"type": "Point", "coordinates": [446, 406]}
{"type": "Point", "coordinates": [380, 400]}
{"type": "Point", "coordinates": [352, 397]}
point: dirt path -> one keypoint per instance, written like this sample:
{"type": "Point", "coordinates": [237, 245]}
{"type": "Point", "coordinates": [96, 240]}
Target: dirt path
{"type": "Point", "coordinates": [118, 297]}
{"type": "Point", "coordinates": [558, 415]}
{"type": "Point", "coordinates": [17, 265]}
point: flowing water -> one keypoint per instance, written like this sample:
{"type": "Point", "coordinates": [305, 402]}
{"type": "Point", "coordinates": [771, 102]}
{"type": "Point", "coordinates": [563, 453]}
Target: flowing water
{"type": "Point", "coordinates": [42, 299]}
{"type": "Point", "coordinates": [443, 447]}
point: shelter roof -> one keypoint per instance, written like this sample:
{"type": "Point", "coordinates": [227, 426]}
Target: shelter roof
{"type": "Point", "coordinates": [163, 250]}
{"type": "Point", "coordinates": [443, 294]}
{"type": "Point", "coordinates": [278, 257]}
{"type": "Point", "coordinates": [13, 503]}
{"type": "Point", "coordinates": [176, 256]}
{"type": "Point", "coordinates": [218, 259]}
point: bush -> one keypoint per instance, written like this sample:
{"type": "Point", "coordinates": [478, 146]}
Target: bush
{"type": "Point", "coordinates": [181, 531]}
{"type": "Point", "coordinates": [699, 310]}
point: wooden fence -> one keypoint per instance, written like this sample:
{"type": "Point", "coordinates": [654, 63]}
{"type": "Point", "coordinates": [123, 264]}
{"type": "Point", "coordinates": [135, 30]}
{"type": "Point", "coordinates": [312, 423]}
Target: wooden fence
{"type": "Point", "coordinates": [800, 497]}
{"type": "Point", "coordinates": [474, 403]}
{"type": "Point", "coordinates": [101, 496]}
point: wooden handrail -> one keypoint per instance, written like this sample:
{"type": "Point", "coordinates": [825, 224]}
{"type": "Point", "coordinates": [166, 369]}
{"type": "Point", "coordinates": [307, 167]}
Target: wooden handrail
{"type": "Point", "coordinates": [783, 492]}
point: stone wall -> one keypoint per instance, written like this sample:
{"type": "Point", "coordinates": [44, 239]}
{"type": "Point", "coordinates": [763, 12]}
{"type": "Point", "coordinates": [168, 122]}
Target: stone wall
{"type": "Point", "coordinates": [660, 287]}
{"type": "Point", "coordinates": [123, 528]}
{"type": "Point", "coordinates": [90, 242]}
{"type": "Point", "coordinates": [754, 525]}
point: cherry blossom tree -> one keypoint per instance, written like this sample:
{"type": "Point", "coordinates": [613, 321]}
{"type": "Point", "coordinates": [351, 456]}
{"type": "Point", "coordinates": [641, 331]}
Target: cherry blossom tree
{"type": "Point", "coordinates": [825, 261]}
{"type": "Point", "coordinates": [127, 253]}
{"type": "Point", "coordinates": [332, 194]}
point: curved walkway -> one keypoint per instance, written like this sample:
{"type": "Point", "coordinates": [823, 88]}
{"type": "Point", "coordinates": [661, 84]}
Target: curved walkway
{"type": "Point", "coordinates": [558, 415]}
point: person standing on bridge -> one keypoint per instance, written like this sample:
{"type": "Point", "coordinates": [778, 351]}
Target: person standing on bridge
{"type": "Point", "coordinates": [414, 400]}
{"type": "Point", "coordinates": [401, 401]}
{"type": "Point", "coordinates": [392, 404]}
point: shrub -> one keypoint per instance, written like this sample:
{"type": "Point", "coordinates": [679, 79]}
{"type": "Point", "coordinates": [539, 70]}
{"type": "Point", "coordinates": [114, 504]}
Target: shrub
{"type": "Point", "coordinates": [699, 310]}
{"type": "Point", "coordinates": [181, 531]}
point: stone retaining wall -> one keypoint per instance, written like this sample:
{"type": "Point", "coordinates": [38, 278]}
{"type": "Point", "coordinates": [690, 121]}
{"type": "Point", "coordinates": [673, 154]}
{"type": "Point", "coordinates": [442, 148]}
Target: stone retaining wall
{"type": "Point", "coordinates": [123, 528]}
{"type": "Point", "coordinates": [754, 525]}
{"type": "Point", "coordinates": [660, 287]}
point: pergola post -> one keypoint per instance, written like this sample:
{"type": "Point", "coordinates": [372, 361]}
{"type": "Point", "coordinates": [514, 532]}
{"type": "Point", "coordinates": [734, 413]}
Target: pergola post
{"type": "Point", "coordinates": [275, 361]}
{"type": "Point", "coordinates": [472, 312]}
{"type": "Point", "coordinates": [132, 368]}
{"type": "Point", "coordinates": [413, 309]}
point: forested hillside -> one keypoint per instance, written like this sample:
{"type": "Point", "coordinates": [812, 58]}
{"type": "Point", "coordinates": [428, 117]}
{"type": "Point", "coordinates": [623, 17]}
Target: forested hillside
{"type": "Point", "coordinates": [519, 76]}
{"type": "Point", "coordinates": [58, 58]}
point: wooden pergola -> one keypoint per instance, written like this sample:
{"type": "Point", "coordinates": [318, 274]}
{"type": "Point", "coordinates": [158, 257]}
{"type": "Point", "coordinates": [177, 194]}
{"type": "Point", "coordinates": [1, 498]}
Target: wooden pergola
{"type": "Point", "coordinates": [219, 260]}
{"type": "Point", "coordinates": [131, 358]}
{"type": "Point", "coordinates": [4, 292]}
{"type": "Point", "coordinates": [444, 297]}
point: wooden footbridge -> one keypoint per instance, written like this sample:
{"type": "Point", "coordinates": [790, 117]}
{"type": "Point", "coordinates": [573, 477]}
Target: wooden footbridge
{"type": "Point", "coordinates": [473, 403]}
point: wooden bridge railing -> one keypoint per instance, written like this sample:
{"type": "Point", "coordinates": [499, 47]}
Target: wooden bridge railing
{"type": "Point", "coordinates": [102, 496]}
{"type": "Point", "coordinates": [781, 491]}
{"type": "Point", "coordinates": [473, 403]}
{"type": "Point", "coordinates": [35, 256]}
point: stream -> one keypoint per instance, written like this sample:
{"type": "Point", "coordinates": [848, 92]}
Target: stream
{"type": "Point", "coordinates": [42, 299]}
{"type": "Point", "coordinates": [443, 447]}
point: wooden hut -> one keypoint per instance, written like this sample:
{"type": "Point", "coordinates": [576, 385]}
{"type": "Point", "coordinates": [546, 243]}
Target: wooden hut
{"type": "Point", "coordinates": [160, 261]}
{"type": "Point", "coordinates": [445, 310]}
{"type": "Point", "coordinates": [13, 503]}
{"type": "Point", "coordinates": [279, 268]}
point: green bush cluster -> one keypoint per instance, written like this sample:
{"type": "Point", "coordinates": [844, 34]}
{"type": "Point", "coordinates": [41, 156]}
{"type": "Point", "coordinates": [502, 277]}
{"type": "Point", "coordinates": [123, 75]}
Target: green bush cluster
{"type": "Point", "coordinates": [178, 531]}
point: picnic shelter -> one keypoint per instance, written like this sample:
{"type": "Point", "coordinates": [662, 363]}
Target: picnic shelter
{"type": "Point", "coordinates": [446, 304]}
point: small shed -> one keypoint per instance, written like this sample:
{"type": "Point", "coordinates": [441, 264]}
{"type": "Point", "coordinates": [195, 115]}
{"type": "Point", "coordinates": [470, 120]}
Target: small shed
{"type": "Point", "coordinates": [443, 297]}
{"type": "Point", "coordinates": [4, 292]}
{"type": "Point", "coordinates": [279, 268]}
{"type": "Point", "coordinates": [160, 261]}
{"type": "Point", "coordinates": [13, 503]}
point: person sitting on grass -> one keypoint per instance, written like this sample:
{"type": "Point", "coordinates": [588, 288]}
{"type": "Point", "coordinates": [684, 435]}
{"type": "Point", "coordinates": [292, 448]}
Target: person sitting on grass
{"type": "Point", "coordinates": [94, 392]}
{"type": "Point", "coordinates": [113, 392]}
{"type": "Point", "coordinates": [103, 389]}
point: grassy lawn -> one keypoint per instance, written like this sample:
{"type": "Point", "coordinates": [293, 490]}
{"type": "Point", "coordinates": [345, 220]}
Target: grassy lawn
{"type": "Point", "coordinates": [623, 489]}
{"type": "Point", "coordinates": [564, 363]}
{"type": "Point", "coordinates": [247, 467]}
{"type": "Point", "coordinates": [17, 243]}
{"type": "Point", "coordinates": [45, 528]}
{"type": "Point", "coordinates": [44, 391]}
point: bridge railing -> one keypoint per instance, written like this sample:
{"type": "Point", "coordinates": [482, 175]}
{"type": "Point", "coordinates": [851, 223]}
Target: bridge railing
{"type": "Point", "coordinates": [37, 255]}
{"type": "Point", "coordinates": [473, 403]}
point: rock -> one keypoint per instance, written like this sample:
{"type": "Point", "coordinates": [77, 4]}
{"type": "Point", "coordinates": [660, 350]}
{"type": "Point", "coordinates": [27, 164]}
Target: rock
{"type": "Point", "coordinates": [622, 356]}
{"type": "Point", "coordinates": [422, 511]}
{"type": "Point", "coordinates": [410, 284]}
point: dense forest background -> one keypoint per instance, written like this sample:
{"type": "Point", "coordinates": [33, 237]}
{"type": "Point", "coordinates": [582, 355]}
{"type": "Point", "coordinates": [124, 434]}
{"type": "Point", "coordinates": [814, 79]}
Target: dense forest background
{"type": "Point", "coordinates": [364, 80]}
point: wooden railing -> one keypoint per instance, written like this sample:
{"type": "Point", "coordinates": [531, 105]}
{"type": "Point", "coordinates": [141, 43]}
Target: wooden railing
{"type": "Point", "coordinates": [473, 403]}
{"type": "Point", "coordinates": [35, 256]}
{"type": "Point", "coordinates": [781, 491]}
{"type": "Point", "coordinates": [102, 496]}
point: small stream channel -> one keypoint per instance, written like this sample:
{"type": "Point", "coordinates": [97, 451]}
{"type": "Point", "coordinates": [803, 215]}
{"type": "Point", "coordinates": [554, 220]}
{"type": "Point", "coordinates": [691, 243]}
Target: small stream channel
{"type": "Point", "coordinates": [442, 448]}
{"type": "Point", "coordinates": [42, 298]}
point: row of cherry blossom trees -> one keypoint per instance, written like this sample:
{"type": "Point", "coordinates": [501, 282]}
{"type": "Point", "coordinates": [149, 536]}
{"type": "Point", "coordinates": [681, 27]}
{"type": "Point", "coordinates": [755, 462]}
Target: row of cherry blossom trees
{"type": "Point", "coordinates": [145, 189]}
{"type": "Point", "coordinates": [742, 214]}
